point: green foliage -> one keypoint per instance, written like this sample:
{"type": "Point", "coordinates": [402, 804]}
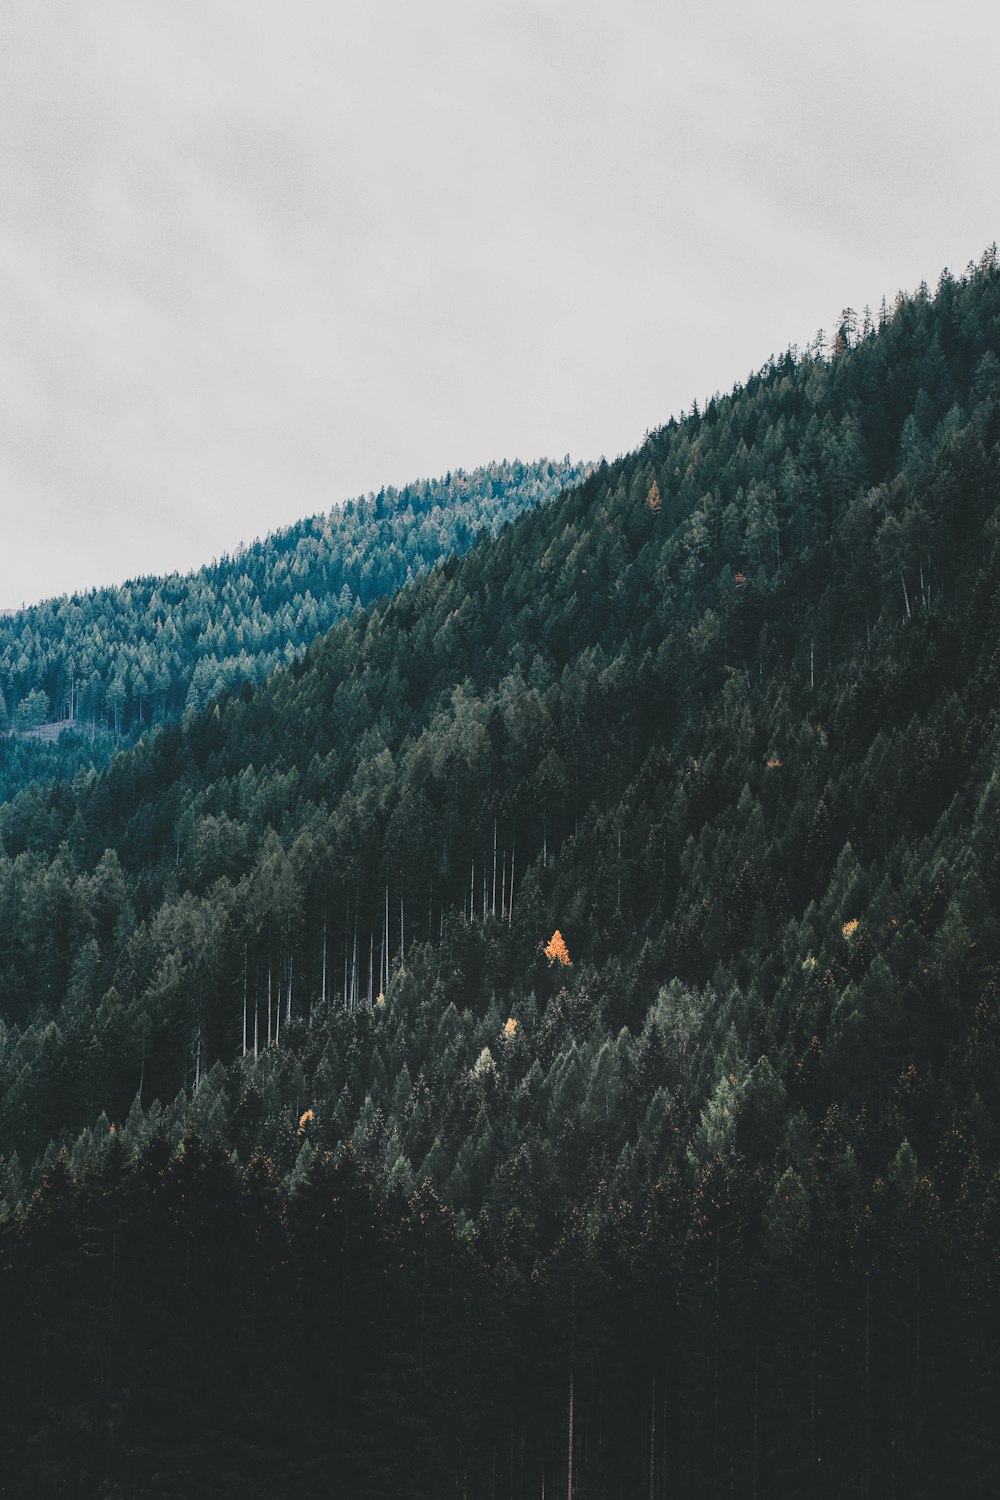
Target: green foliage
{"type": "Point", "coordinates": [734, 1173]}
{"type": "Point", "coordinates": [114, 661]}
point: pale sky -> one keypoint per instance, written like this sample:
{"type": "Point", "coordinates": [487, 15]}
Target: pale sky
{"type": "Point", "coordinates": [256, 258]}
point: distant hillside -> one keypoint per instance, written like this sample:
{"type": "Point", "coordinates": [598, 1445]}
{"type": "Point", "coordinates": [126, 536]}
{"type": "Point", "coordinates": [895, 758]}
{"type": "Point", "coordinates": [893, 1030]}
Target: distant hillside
{"type": "Point", "coordinates": [546, 1039]}
{"type": "Point", "coordinates": [123, 659]}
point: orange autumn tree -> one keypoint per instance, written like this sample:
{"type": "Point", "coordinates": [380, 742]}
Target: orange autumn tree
{"type": "Point", "coordinates": [653, 498]}
{"type": "Point", "coordinates": [556, 950]}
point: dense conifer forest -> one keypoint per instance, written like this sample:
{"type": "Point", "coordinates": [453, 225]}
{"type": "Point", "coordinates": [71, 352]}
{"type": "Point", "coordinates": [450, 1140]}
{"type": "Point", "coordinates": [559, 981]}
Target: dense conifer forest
{"type": "Point", "coordinates": [81, 675]}
{"type": "Point", "coordinates": [545, 1040]}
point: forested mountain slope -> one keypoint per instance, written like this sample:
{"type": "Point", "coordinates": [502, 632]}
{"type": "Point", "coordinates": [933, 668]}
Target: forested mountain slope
{"type": "Point", "coordinates": [113, 661]}
{"type": "Point", "coordinates": [700, 1199]}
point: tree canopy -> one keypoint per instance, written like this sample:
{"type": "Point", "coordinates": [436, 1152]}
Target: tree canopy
{"type": "Point", "coordinates": [80, 674]}
{"type": "Point", "coordinates": [711, 1210]}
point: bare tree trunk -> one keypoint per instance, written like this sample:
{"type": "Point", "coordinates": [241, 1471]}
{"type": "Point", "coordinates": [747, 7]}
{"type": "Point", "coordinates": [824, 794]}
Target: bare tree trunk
{"type": "Point", "coordinates": [906, 597]}
{"type": "Point", "coordinates": [756, 1415]}
{"type": "Point", "coordinates": [917, 1403]}
{"type": "Point", "coordinates": [354, 960]}
{"type": "Point", "coordinates": [494, 866]}
{"type": "Point", "coordinates": [652, 1439]}
{"type": "Point", "coordinates": [868, 1387]}
{"type": "Point", "coordinates": [572, 1400]}
{"type": "Point", "coordinates": [383, 958]}
{"type": "Point", "coordinates": [813, 1389]}
{"type": "Point", "coordinates": [569, 1444]}
{"type": "Point", "coordinates": [715, 1357]}
{"type": "Point", "coordinates": [510, 903]}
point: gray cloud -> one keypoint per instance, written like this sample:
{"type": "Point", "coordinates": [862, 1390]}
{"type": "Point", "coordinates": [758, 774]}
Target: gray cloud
{"type": "Point", "coordinates": [254, 259]}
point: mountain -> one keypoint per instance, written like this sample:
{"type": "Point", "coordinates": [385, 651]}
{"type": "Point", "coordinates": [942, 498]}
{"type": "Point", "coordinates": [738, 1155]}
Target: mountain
{"type": "Point", "coordinates": [79, 674]}
{"type": "Point", "coordinates": [546, 1038]}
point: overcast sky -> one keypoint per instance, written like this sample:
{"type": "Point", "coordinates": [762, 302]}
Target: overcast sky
{"type": "Point", "coordinates": [257, 257]}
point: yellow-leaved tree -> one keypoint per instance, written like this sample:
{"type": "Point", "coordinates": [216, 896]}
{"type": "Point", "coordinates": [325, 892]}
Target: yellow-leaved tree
{"type": "Point", "coordinates": [556, 950]}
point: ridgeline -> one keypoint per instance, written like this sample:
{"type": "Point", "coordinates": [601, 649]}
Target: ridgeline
{"type": "Point", "coordinates": [546, 1038]}
{"type": "Point", "coordinates": [80, 676]}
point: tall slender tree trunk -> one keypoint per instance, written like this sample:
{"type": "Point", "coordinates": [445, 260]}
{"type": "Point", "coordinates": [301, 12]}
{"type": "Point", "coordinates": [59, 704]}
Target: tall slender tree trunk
{"type": "Point", "coordinates": [916, 1354]}
{"type": "Point", "coordinates": [756, 1418]}
{"type": "Point", "coordinates": [354, 960]}
{"type": "Point", "coordinates": [868, 1387]}
{"type": "Point", "coordinates": [813, 1389]}
{"type": "Point", "coordinates": [569, 1442]}
{"type": "Point", "coordinates": [652, 1438]}
{"type": "Point", "coordinates": [715, 1353]}
{"type": "Point", "coordinates": [572, 1394]}
{"type": "Point", "coordinates": [383, 957]}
